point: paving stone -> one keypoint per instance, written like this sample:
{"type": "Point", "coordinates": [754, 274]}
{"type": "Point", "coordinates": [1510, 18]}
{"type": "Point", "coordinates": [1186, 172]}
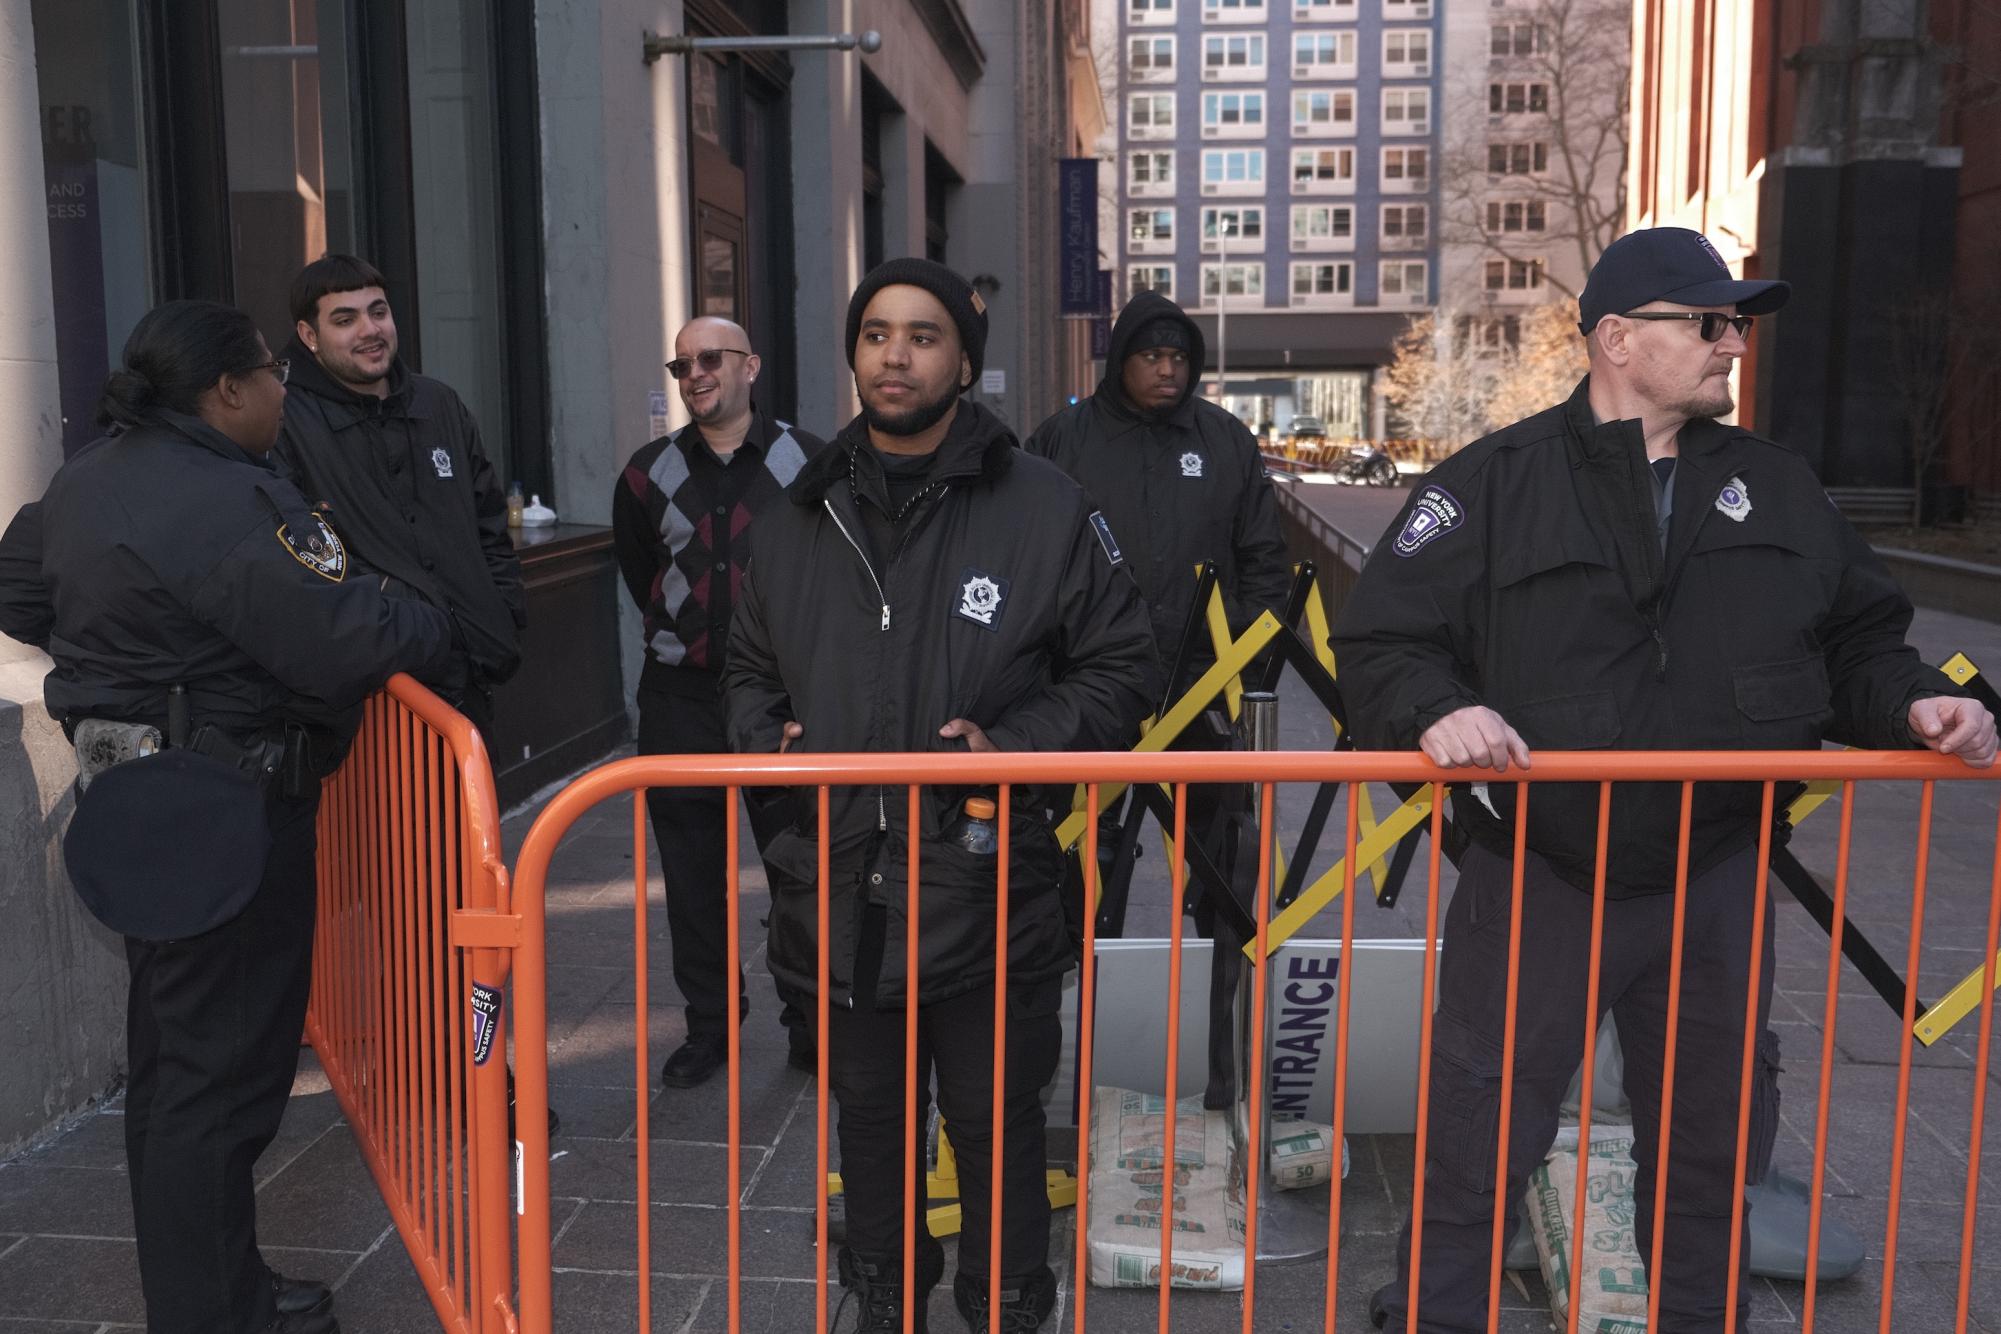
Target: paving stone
{"type": "Point", "coordinates": [326, 1200]}
{"type": "Point", "coordinates": [76, 1201]}
{"type": "Point", "coordinates": [72, 1279]}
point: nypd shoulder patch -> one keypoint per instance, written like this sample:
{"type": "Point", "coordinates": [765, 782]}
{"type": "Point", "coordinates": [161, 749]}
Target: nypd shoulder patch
{"type": "Point", "coordinates": [1103, 529]}
{"type": "Point", "coordinates": [1433, 514]}
{"type": "Point", "coordinates": [317, 547]}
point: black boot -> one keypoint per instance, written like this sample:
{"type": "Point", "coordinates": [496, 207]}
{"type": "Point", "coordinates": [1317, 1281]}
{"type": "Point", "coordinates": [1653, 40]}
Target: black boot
{"type": "Point", "coordinates": [1025, 1302]}
{"type": "Point", "coordinates": [877, 1283]}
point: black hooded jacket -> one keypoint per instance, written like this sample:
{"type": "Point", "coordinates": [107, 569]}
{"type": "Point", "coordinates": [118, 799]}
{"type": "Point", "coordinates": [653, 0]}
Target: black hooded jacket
{"type": "Point", "coordinates": [1001, 605]}
{"type": "Point", "coordinates": [166, 555]}
{"type": "Point", "coordinates": [1527, 575]}
{"type": "Point", "coordinates": [1180, 486]}
{"type": "Point", "coordinates": [407, 484]}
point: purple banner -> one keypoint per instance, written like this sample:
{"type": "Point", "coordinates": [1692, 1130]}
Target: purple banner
{"type": "Point", "coordinates": [1077, 234]}
{"type": "Point", "coordinates": [1101, 327]}
{"type": "Point", "coordinates": [76, 262]}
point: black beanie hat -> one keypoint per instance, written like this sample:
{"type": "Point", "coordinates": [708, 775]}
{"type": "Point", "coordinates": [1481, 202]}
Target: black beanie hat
{"type": "Point", "coordinates": [961, 302]}
{"type": "Point", "coordinates": [1167, 331]}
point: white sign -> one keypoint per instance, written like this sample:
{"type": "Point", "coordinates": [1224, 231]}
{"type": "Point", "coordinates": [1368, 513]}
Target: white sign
{"type": "Point", "coordinates": [993, 382]}
{"type": "Point", "coordinates": [656, 412]}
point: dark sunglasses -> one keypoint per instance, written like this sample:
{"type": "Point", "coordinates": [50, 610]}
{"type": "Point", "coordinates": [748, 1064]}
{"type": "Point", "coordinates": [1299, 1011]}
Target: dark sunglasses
{"type": "Point", "coordinates": [280, 367]}
{"type": "Point", "coordinates": [709, 359]}
{"type": "Point", "coordinates": [1713, 324]}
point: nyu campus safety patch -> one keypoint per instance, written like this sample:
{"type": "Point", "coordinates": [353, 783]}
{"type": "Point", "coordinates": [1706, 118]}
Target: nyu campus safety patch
{"type": "Point", "coordinates": [982, 598]}
{"type": "Point", "coordinates": [485, 1020]}
{"type": "Point", "coordinates": [1191, 464]}
{"type": "Point", "coordinates": [441, 461]}
{"type": "Point", "coordinates": [1734, 500]}
{"type": "Point", "coordinates": [318, 549]}
{"type": "Point", "coordinates": [1105, 538]}
{"type": "Point", "coordinates": [1433, 514]}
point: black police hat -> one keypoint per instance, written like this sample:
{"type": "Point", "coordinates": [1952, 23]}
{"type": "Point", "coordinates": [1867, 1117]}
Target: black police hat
{"type": "Point", "coordinates": [168, 846]}
{"type": "Point", "coordinates": [1669, 264]}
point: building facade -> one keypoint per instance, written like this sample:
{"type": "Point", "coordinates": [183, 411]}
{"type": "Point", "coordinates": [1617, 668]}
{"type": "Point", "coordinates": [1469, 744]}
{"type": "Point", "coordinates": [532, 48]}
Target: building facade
{"type": "Point", "coordinates": [550, 200]}
{"type": "Point", "coordinates": [1847, 147]}
{"type": "Point", "coordinates": [1273, 162]}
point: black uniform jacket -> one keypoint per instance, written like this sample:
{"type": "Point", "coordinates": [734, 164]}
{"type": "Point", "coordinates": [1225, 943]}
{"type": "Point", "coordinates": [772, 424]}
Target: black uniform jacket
{"type": "Point", "coordinates": [1180, 487]}
{"type": "Point", "coordinates": [1002, 605]}
{"type": "Point", "coordinates": [167, 554]}
{"type": "Point", "coordinates": [1526, 574]}
{"type": "Point", "coordinates": [410, 489]}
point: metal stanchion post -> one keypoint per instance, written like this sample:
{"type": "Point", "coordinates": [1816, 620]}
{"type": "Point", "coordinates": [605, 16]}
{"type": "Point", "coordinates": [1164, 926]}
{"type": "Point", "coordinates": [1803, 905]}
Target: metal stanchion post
{"type": "Point", "coordinates": [1292, 1224]}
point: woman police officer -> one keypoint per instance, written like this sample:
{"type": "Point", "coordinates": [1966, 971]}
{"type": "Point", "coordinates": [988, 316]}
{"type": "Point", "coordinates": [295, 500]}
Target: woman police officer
{"type": "Point", "coordinates": [210, 644]}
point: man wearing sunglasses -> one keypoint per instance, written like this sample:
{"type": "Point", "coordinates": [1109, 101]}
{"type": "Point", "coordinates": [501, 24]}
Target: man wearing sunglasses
{"type": "Point", "coordinates": [1622, 571]}
{"type": "Point", "coordinates": [681, 517]}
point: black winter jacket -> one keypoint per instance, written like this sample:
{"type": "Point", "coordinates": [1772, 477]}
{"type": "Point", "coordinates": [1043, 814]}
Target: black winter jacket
{"type": "Point", "coordinates": [1526, 574]}
{"type": "Point", "coordinates": [167, 554]}
{"type": "Point", "coordinates": [1003, 606]}
{"type": "Point", "coordinates": [405, 480]}
{"type": "Point", "coordinates": [1179, 486]}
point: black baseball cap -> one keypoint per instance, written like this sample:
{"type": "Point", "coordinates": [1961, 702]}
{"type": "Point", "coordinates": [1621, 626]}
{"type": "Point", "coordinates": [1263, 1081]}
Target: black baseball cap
{"type": "Point", "coordinates": [1670, 264]}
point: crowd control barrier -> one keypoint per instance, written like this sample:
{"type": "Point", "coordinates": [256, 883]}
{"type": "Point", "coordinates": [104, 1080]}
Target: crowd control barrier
{"type": "Point", "coordinates": [412, 892]}
{"type": "Point", "coordinates": [1855, 773]}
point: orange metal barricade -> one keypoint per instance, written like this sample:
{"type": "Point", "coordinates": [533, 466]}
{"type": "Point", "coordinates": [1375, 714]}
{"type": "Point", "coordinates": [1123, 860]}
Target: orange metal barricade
{"type": "Point", "coordinates": [525, 923]}
{"type": "Point", "coordinates": [412, 893]}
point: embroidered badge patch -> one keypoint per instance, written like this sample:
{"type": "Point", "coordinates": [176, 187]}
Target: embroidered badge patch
{"type": "Point", "coordinates": [441, 461]}
{"type": "Point", "coordinates": [1734, 500]}
{"type": "Point", "coordinates": [318, 549]}
{"type": "Point", "coordinates": [1105, 538]}
{"type": "Point", "coordinates": [982, 598]}
{"type": "Point", "coordinates": [1191, 464]}
{"type": "Point", "coordinates": [1433, 514]}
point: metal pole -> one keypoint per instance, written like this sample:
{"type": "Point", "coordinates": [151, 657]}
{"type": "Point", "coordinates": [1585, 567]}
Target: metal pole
{"type": "Point", "coordinates": [655, 46]}
{"type": "Point", "coordinates": [1222, 312]}
{"type": "Point", "coordinates": [1292, 1224]}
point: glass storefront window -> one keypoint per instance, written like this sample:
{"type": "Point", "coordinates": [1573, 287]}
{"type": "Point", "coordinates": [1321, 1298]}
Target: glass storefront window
{"type": "Point", "coordinates": [94, 164]}
{"type": "Point", "coordinates": [289, 149]}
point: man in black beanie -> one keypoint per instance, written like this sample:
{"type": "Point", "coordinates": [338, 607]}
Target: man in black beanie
{"type": "Point", "coordinates": [931, 588]}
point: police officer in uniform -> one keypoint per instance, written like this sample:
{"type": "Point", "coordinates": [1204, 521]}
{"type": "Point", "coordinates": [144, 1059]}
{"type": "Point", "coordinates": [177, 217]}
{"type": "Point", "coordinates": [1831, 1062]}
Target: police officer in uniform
{"type": "Point", "coordinates": [925, 586]}
{"type": "Point", "coordinates": [211, 642]}
{"type": "Point", "coordinates": [1620, 571]}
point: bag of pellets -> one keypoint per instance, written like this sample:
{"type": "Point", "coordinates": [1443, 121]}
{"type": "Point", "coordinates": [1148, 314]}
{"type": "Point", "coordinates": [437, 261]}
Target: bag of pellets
{"type": "Point", "coordinates": [1613, 1296]}
{"type": "Point", "coordinates": [1302, 1155]}
{"type": "Point", "coordinates": [1129, 1193]}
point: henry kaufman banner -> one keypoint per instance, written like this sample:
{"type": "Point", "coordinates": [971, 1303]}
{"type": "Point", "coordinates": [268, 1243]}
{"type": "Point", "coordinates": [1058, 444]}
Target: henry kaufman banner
{"type": "Point", "coordinates": [1077, 227]}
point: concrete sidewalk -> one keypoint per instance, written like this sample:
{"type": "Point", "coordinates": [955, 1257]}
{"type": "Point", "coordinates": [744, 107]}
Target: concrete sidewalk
{"type": "Point", "coordinates": [66, 1255]}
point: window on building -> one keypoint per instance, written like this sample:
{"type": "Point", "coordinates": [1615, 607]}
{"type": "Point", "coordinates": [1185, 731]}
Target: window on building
{"type": "Point", "coordinates": [1510, 99]}
{"type": "Point", "coordinates": [1336, 278]}
{"type": "Point", "coordinates": [1323, 109]}
{"type": "Point", "coordinates": [1517, 215]}
{"type": "Point", "coordinates": [1401, 11]}
{"type": "Point", "coordinates": [1514, 275]}
{"type": "Point", "coordinates": [1232, 280]}
{"type": "Point", "coordinates": [1151, 115]}
{"type": "Point", "coordinates": [1232, 110]}
{"type": "Point", "coordinates": [1517, 39]}
{"type": "Point", "coordinates": [1403, 226]}
{"type": "Point", "coordinates": [1410, 165]}
{"type": "Point", "coordinates": [1517, 159]}
{"type": "Point", "coordinates": [1149, 11]}
{"type": "Point", "coordinates": [1322, 164]}
{"type": "Point", "coordinates": [1406, 110]}
{"type": "Point", "coordinates": [1150, 55]}
{"type": "Point", "coordinates": [1245, 11]}
{"type": "Point", "coordinates": [1323, 53]}
{"type": "Point", "coordinates": [1407, 49]}
{"type": "Point", "coordinates": [1233, 53]}
{"type": "Point", "coordinates": [1150, 278]}
{"type": "Point", "coordinates": [1322, 11]}
{"type": "Point", "coordinates": [1150, 224]}
{"type": "Point", "coordinates": [1322, 222]}
{"type": "Point", "coordinates": [1150, 168]}
{"type": "Point", "coordinates": [1401, 279]}
{"type": "Point", "coordinates": [1244, 222]}
{"type": "Point", "coordinates": [1233, 166]}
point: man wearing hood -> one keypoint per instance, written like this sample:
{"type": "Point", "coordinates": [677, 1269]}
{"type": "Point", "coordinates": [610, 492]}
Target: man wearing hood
{"type": "Point", "coordinates": [925, 586]}
{"type": "Point", "coordinates": [1179, 478]}
{"type": "Point", "coordinates": [395, 458]}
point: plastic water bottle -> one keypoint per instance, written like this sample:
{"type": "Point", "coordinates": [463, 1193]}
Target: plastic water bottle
{"type": "Point", "coordinates": [976, 831]}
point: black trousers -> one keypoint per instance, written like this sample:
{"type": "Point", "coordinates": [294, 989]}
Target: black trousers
{"type": "Point", "coordinates": [680, 713]}
{"type": "Point", "coordinates": [212, 1038]}
{"type": "Point", "coordinates": [955, 1042]}
{"type": "Point", "coordinates": [1703, 1191]}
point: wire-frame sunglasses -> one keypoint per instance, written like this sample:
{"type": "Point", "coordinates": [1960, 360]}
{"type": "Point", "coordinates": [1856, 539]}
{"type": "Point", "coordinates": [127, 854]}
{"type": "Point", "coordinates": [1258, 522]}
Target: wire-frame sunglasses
{"type": "Point", "coordinates": [1713, 322]}
{"type": "Point", "coordinates": [710, 359]}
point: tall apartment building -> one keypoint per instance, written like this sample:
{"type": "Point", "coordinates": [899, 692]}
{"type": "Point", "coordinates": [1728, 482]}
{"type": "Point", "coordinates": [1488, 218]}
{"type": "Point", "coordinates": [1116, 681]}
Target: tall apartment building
{"type": "Point", "coordinates": [1275, 161]}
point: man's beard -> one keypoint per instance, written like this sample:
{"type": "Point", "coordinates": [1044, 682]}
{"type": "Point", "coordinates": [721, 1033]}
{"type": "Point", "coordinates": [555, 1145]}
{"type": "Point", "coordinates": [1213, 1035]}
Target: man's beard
{"type": "Point", "coordinates": [915, 420]}
{"type": "Point", "coordinates": [1705, 404]}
